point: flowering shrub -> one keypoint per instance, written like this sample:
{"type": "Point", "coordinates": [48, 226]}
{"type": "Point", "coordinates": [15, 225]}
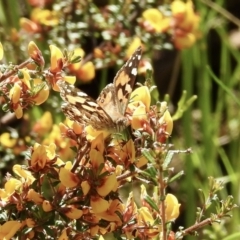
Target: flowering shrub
{"type": "Point", "coordinates": [70, 186]}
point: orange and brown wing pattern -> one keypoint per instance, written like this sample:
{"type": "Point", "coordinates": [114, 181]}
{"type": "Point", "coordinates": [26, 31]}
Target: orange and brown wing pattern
{"type": "Point", "coordinates": [108, 111]}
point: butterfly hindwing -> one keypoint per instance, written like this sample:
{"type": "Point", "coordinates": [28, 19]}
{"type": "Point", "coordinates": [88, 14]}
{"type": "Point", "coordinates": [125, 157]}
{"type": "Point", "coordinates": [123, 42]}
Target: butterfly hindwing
{"type": "Point", "coordinates": [79, 106]}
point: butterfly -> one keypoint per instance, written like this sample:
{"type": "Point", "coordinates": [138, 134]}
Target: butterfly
{"type": "Point", "coordinates": [107, 112]}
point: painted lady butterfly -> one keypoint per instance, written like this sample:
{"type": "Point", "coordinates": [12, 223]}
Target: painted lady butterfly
{"type": "Point", "coordinates": [107, 112]}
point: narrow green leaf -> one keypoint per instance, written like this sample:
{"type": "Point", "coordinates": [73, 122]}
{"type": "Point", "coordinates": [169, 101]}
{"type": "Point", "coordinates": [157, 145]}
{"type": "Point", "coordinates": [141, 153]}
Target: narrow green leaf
{"type": "Point", "coordinates": [147, 154]}
{"type": "Point", "coordinates": [149, 200]}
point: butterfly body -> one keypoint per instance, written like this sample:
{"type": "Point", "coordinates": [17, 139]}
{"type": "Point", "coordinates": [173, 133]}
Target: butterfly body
{"type": "Point", "coordinates": [107, 112]}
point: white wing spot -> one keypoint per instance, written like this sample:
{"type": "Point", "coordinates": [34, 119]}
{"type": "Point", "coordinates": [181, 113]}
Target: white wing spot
{"type": "Point", "coordinates": [134, 71]}
{"type": "Point", "coordinates": [81, 94]}
{"type": "Point", "coordinates": [93, 104]}
{"type": "Point", "coordinates": [130, 64]}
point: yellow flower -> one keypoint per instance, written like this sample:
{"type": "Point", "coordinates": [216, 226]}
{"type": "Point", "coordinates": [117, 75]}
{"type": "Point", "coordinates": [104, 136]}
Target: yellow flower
{"type": "Point", "coordinates": [42, 95]}
{"type": "Point", "coordinates": [1, 51]}
{"type": "Point", "coordinates": [35, 54]}
{"type": "Point", "coordinates": [123, 155]}
{"type": "Point", "coordinates": [10, 187]}
{"type": "Point", "coordinates": [98, 204]}
{"type": "Point", "coordinates": [69, 79]}
{"type": "Point", "coordinates": [26, 77]}
{"type": "Point", "coordinates": [85, 187]}
{"type": "Point", "coordinates": [165, 124]}
{"type": "Point", "coordinates": [18, 111]}
{"type": "Point", "coordinates": [7, 141]}
{"type": "Point", "coordinates": [185, 24]}
{"type": "Point", "coordinates": [78, 52]}
{"type": "Point", "coordinates": [145, 218]}
{"type": "Point", "coordinates": [64, 235]}
{"type": "Point", "coordinates": [9, 229]}
{"type": "Point", "coordinates": [184, 41]}
{"type": "Point", "coordinates": [133, 46]}
{"type": "Point", "coordinates": [172, 207]}
{"type": "Point", "coordinates": [72, 212]}
{"type": "Point", "coordinates": [57, 59]}
{"type": "Point", "coordinates": [98, 143]}
{"type": "Point", "coordinates": [44, 124]}
{"type": "Point", "coordinates": [86, 71]}
{"type": "Point", "coordinates": [45, 17]}
{"type": "Point", "coordinates": [107, 185]}
{"type": "Point", "coordinates": [28, 25]}
{"type": "Point", "coordinates": [141, 94]}
{"type": "Point", "coordinates": [15, 93]}
{"type": "Point", "coordinates": [139, 117]}
{"type": "Point", "coordinates": [37, 198]}
{"type": "Point", "coordinates": [98, 52]}
{"type": "Point", "coordinates": [111, 214]}
{"type": "Point", "coordinates": [154, 21]}
{"type": "Point", "coordinates": [92, 133]}
{"type": "Point", "coordinates": [67, 178]}
{"type": "Point", "coordinates": [64, 144]}
{"type": "Point", "coordinates": [167, 119]}
{"type": "Point", "coordinates": [139, 107]}
{"type": "Point", "coordinates": [42, 156]}
{"type": "Point", "coordinates": [96, 159]}
{"type": "Point", "coordinates": [21, 172]}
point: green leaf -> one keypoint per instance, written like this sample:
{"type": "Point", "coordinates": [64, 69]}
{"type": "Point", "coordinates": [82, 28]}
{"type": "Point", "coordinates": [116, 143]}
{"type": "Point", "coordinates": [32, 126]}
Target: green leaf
{"type": "Point", "coordinates": [146, 153]}
{"type": "Point", "coordinates": [168, 159]}
{"type": "Point", "coordinates": [176, 177]}
{"type": "Point", "coordinates": [149, 200]}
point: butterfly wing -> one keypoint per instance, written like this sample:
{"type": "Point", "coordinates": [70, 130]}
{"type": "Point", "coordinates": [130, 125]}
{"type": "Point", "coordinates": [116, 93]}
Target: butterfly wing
{"type": "Point", "coordinates": [125, 79]}
{"type": "Point", "coordinates": [79, 107]}
{"type": "Point", "coordinates": [107, 112]}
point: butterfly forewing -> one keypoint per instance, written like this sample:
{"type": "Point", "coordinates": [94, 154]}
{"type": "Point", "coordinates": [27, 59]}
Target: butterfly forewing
{"type": "Point", "coordinates": [107, 112]}
{"type": "Point", "coordinates": [125, 79]}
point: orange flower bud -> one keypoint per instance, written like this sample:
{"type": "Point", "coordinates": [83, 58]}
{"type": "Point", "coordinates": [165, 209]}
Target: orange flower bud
{"type": "Point", "coordinates": [30, 222]}
{"type": "Point", "coordinates": [47, 206]}
{"type": "Point", "coordinates": [86, 72]}
{"type": "Point", "coordinates": [98, 53]}
{"type": "Point", "coordinates": [35, 54]}
{"type": "Point", "coordinates": [18, 111]}
{"type": "Point", "coordinates": [28, 25]}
